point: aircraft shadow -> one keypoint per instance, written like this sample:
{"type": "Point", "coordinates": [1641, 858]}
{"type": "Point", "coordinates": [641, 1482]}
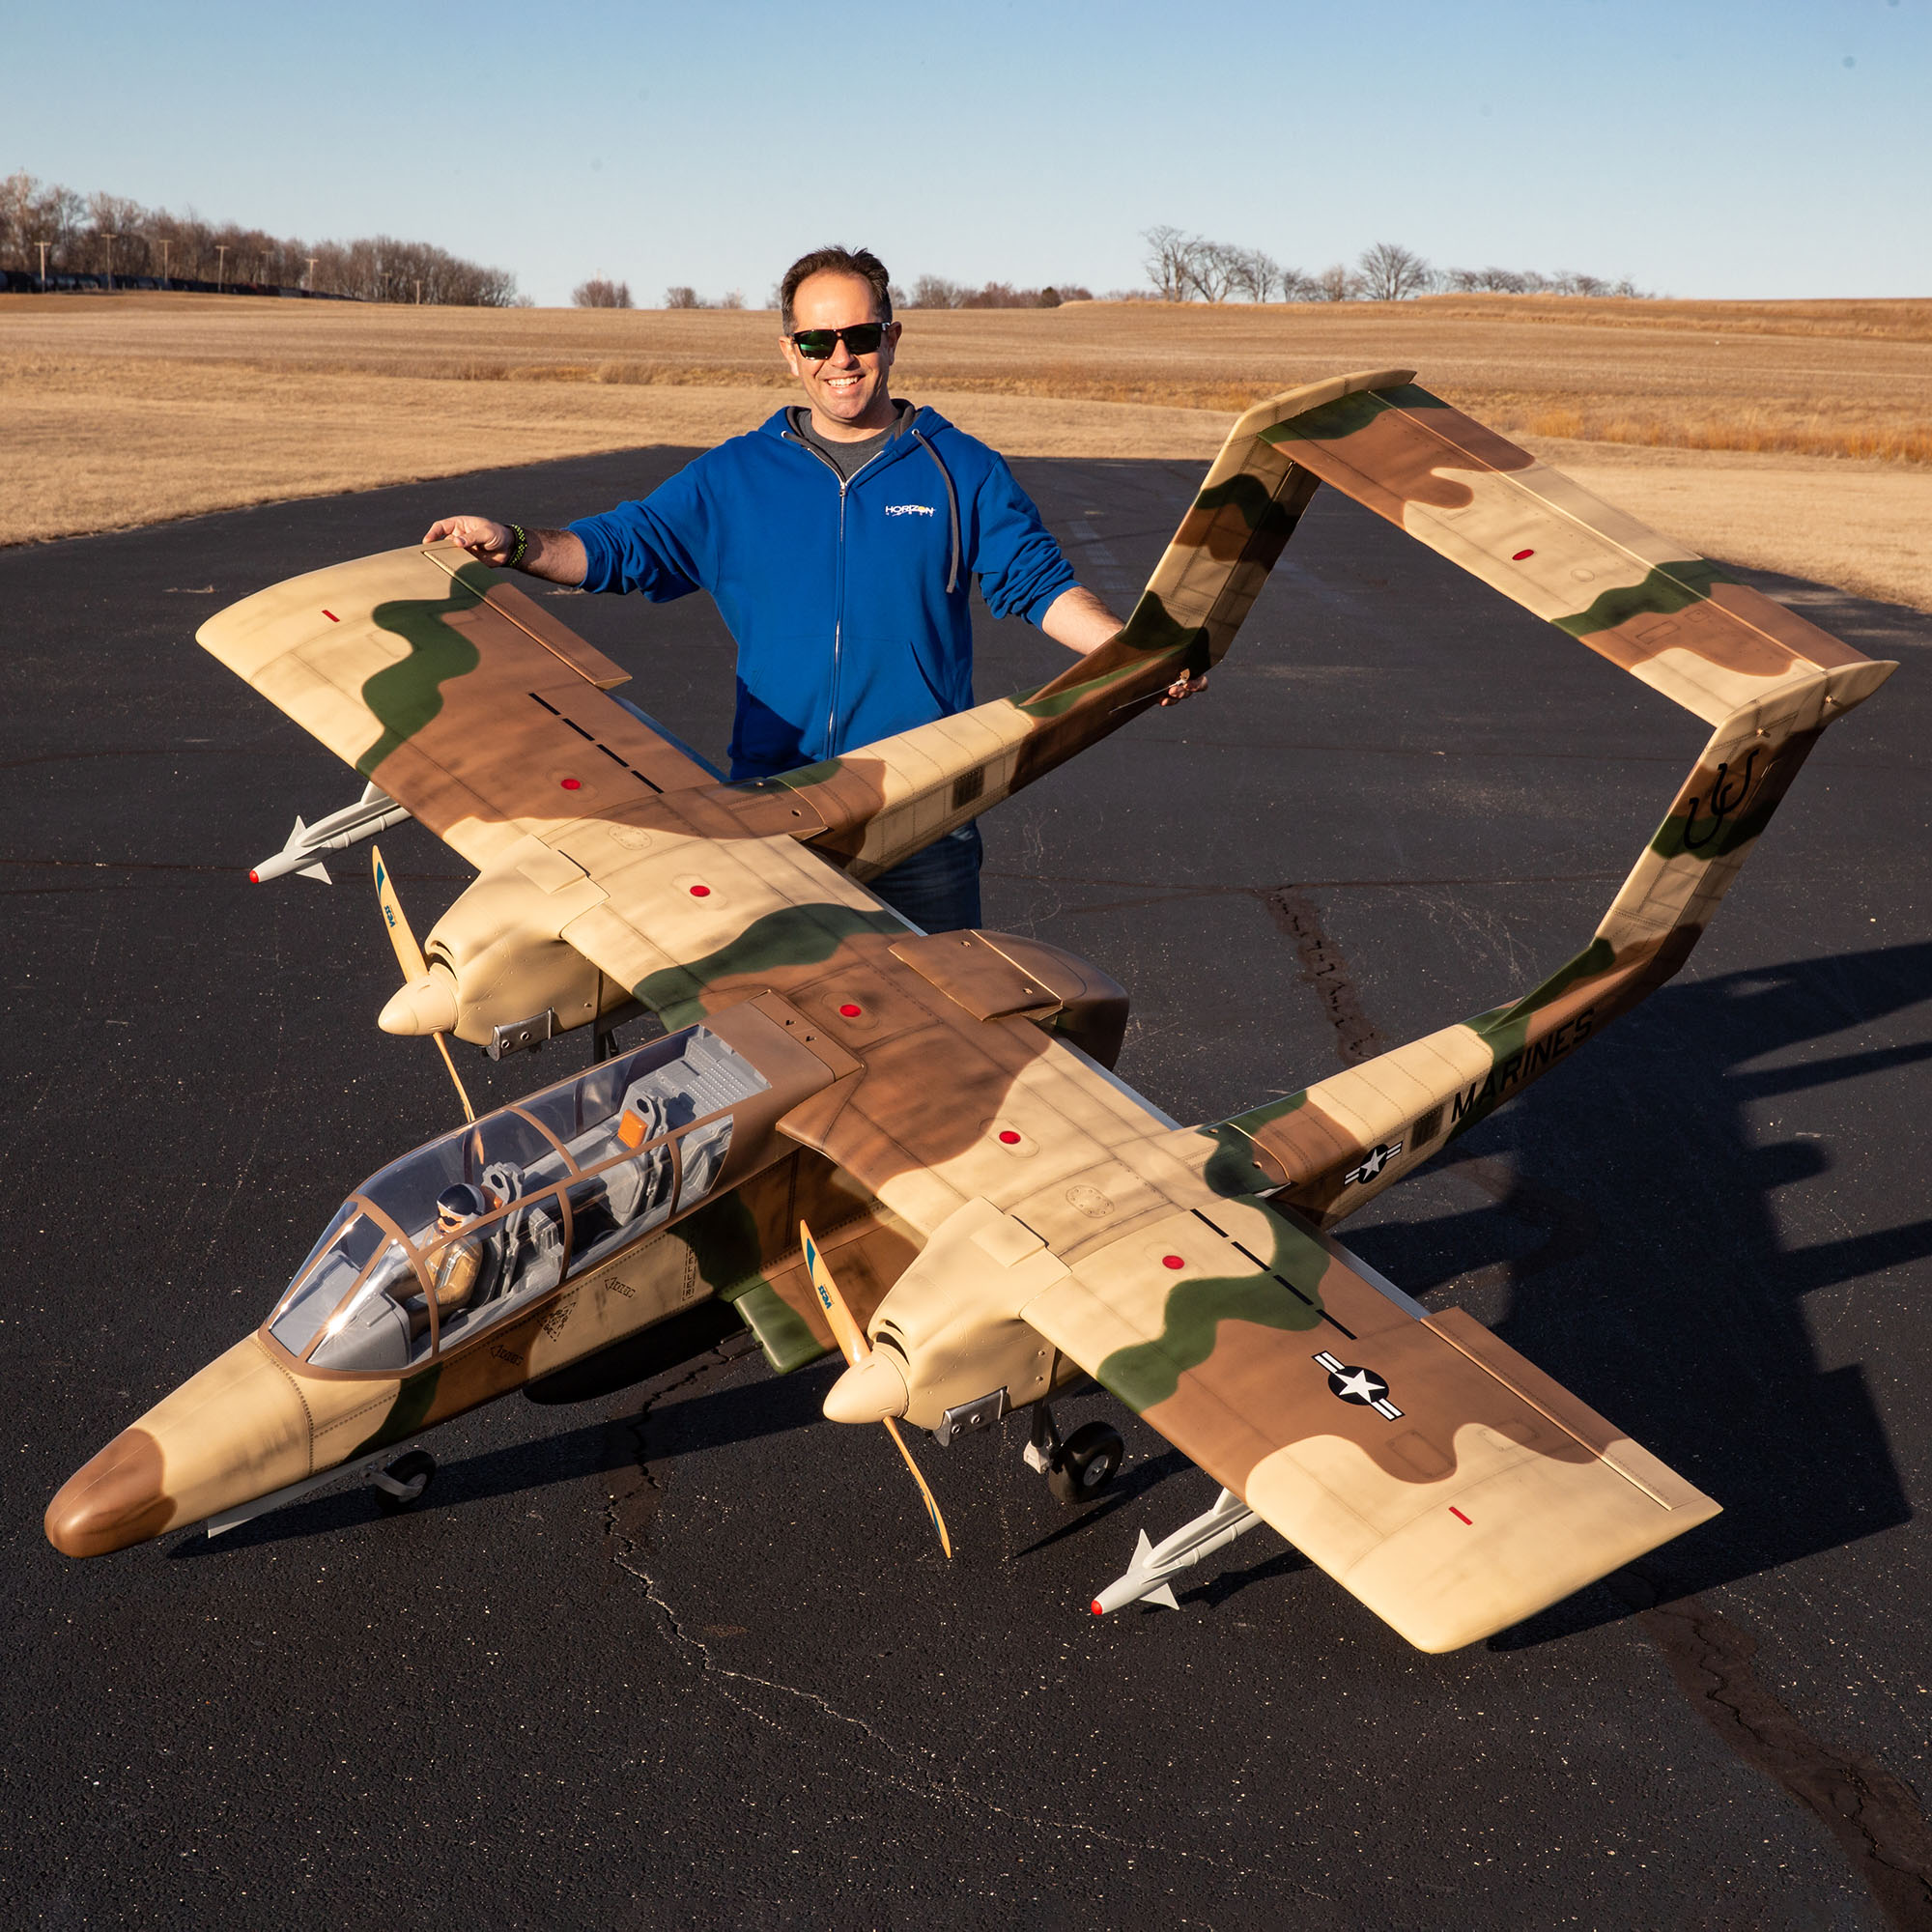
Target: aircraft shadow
{"type": "Point", "coordinates": [1661, 1291]}
{"type": "Point", "coordinates": [767, 1405]}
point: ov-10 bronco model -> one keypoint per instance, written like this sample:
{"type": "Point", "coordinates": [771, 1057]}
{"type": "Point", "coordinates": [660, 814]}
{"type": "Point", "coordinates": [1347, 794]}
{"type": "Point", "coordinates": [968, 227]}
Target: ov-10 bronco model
{"type": "Point", "coordinates": [990, 1213]}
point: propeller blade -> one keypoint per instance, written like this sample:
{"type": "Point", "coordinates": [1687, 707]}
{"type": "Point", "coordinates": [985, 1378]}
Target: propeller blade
{"type": "Point", "coordinates": [852, 1341]}
{"type": "Point", "coordinates": [409, 956]}
{"type": "Point", "coordinates": [442, 1047]}
{"type": "Point", "coordinates": [931, 1506]}
{"type": "Point", "coordinates": [845, 1331]}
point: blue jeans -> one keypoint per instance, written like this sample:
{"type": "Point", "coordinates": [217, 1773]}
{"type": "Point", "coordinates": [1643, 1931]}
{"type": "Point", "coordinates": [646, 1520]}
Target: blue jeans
{"type": "Point", "coordinates": [937, 888]}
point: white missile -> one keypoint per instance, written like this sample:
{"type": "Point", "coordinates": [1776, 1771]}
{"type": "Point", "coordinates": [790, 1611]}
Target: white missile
{"type": "Point", "coordinates": [1150, 1575]}
{"type": "Point", "coordinates": [373, 812]}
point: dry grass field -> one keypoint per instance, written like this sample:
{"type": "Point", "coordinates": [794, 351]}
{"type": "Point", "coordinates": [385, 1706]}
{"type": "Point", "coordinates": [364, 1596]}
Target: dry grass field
{"type": "Point", "coordinates": [1793, 436]}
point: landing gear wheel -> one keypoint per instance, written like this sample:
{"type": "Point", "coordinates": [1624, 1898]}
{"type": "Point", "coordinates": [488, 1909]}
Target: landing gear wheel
{"type": "Point", "coordinates": [1089, 1461]}
{"type": "Point", "coordinates": [400, 1485]}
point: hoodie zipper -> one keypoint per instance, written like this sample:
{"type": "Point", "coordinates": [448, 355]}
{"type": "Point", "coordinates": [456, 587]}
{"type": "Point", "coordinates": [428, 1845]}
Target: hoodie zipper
{"type": "Point", "coordinates": [839, 621]}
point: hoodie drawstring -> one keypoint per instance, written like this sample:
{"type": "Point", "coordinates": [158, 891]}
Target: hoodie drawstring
{"type": "Point", "coordinates": [952, 506]}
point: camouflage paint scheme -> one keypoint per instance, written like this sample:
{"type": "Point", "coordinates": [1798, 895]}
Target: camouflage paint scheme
{"type": "Point", "coordinates": [991, 1197]}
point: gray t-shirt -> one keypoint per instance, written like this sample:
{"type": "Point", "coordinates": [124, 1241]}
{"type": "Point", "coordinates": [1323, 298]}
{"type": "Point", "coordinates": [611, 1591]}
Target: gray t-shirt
{"type": "Point", "coordinates": [847, 458]}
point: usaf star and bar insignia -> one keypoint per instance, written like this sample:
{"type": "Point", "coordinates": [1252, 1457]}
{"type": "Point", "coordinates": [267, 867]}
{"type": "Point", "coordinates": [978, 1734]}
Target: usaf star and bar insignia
{"type": "Point", "coordinates": [1361, 1386]}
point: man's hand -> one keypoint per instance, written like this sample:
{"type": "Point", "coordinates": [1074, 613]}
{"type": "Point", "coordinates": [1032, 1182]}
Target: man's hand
{"type": "Point", "coordinates": [491, 543]}
{"type": "Point", "coordinates": [555, 555]}
{"type": "Point", "coordinates": [1079, 620]}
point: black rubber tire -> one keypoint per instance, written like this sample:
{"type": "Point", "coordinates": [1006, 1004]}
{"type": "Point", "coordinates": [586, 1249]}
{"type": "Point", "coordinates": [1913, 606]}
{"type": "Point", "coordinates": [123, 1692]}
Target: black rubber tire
{"type": "Point", "coordinates": [1089, 1459]}
{"type": "Point", "coordinates": [414, 1471]}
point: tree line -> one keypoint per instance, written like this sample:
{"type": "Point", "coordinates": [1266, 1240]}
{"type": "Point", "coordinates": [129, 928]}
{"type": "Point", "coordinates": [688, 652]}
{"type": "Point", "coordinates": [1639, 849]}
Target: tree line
{"type": "Point", "coordinates": [106, 234]}
{"type": "Point", "coordinates": [1190, 267]}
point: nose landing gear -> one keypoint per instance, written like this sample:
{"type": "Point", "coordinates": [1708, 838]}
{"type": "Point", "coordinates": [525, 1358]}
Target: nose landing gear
{"type": "Point", "coordinates": [1078, 1469]}
{"type": "Point", "coordinates": [400, 1485]}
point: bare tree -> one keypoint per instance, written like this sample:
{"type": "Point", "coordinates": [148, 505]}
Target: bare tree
{"type": "Point", "coordinates": [1212, 268]}
{"type": "Point", "coordinates": [1391, 272]}
{"type": "Point", "coordinates": [1170, 261]}
{"type": "Point", "coordinates": [1335, 284]}
{"type": "Point", "coordinates": [681, 296]}
{"type": "Point", "coordinates": [1254, 273]}
{"type": "Point", "coordinates": [936, 292]}
{"type": "Point", "coordinates": [598, 293]}
{"type": "Point", "coordinates": [731, 299]}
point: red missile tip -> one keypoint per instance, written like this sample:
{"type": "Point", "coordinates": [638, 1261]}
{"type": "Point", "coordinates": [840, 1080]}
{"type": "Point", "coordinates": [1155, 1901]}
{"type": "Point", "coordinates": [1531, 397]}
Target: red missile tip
{"type": "Point", "coordinates": [1095, 1607]}
{"type": "Point", "coordinates": [851, 1011]}
{"type": "Point", "coordinates": [254, 878]}
{"type": "Point", "coordinates": [570, 785]}
{"type": "Point", "coordinates": [1009, 1138]}
{"type": "Point", "coordinates": [1172, 1262]}
{"type": "Point", "coordinates": [1520, 554]}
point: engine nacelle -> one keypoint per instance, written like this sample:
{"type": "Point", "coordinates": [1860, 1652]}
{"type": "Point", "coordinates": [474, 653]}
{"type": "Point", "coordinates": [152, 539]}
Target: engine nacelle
{"type": "Point", "coordinates": [949, 1331]}
{"type": "Point", "coordinates": [497, 959]}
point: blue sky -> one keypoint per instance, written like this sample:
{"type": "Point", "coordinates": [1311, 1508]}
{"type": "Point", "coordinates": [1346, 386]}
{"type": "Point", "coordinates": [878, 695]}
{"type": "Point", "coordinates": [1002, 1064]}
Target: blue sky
{"type": "Point", "coordinates": [1734, 148]}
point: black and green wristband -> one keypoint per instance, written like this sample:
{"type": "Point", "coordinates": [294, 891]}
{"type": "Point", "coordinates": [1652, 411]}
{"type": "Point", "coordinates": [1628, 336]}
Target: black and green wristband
{"type": "Point", "coordinates": [522, 543]}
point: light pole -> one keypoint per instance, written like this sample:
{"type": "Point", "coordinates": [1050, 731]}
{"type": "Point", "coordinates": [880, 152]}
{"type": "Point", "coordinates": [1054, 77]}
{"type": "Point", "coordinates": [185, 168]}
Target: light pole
{"type": "Point", "coordinates": [220, 263]}
{"type": "Point", "coordinates": [110, 240]}
{"type": "Point", "coordinates": [310, 283]}
{"type": "Point", "coordinates": [164, 260]}
{"type": "Point", "coordinates": [43, 247]}
{"type": "Point", "coordinates": [419, 291]}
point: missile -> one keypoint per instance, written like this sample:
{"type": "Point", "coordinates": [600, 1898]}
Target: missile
{"type": "Point", "coordinates": [374, 812]}
{"type": "Point", "coordinates": [1150, 1576]}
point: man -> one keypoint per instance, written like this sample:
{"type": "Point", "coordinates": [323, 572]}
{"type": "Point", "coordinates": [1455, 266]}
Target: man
{"type": "Point", "coordinates": [839, 540]}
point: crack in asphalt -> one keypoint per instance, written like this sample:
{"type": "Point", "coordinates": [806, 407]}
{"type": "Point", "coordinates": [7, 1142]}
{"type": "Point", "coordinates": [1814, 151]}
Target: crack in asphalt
{"type": "Point", "coordinates": [1875, 1817]}
{"type": "Point", "coordinates": [627, 1520]}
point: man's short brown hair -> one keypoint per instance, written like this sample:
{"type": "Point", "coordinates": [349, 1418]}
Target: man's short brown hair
{"type": "Point", "coordinates": [859, 262]}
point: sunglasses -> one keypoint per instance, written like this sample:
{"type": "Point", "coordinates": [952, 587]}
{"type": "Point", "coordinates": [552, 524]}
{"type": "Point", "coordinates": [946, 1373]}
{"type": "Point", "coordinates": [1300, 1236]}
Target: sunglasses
{"type": "Point", "coordinates": [816, 344]}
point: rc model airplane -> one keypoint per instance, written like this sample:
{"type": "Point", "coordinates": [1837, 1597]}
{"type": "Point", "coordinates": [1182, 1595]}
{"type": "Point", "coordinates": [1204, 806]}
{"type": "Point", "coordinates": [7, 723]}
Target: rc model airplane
{"type": "Point", "coordinates": [910, 1146]}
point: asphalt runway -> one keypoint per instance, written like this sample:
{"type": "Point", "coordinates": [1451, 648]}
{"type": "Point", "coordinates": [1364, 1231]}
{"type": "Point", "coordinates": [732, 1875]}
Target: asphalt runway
{"type": "Point", "coordinates": [685, 1654]}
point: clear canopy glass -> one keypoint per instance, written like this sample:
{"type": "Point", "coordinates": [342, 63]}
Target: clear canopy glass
{"type": "Point", "coordinates": [569, 1176]}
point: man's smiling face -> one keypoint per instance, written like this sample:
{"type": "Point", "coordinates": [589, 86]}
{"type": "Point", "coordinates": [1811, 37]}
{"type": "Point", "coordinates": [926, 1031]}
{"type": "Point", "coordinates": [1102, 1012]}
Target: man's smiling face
{"type": "Point", "coordinates": [848, 393]}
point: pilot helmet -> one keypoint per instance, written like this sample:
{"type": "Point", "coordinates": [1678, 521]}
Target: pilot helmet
{"type": "Point", "coordinates": [461, 1203]}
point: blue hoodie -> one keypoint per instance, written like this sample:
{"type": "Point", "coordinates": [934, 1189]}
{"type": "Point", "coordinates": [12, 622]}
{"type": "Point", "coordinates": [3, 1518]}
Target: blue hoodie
{"type": "Point", "coordinates": [848, 599]}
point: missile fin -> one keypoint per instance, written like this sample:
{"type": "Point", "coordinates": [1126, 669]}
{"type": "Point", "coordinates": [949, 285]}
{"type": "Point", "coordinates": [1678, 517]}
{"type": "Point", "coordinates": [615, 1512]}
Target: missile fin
{"type": "Point", "coordinates": [1163, 1595]}
{"type": "Point", "coordinates": [315, 871]}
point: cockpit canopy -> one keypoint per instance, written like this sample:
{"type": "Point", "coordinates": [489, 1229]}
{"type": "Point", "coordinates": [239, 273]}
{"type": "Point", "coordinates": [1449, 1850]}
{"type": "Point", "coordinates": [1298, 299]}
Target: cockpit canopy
{"type": "Point", "coordinates": [571, 1175]}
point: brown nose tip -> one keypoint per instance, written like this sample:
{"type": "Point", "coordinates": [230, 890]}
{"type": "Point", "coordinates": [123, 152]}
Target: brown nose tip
{"type": "Point", "coordinates": [113, 1501]}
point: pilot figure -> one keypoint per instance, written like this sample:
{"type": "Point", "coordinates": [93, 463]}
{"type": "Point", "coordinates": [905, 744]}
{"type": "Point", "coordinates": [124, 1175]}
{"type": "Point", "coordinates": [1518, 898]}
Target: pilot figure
{"type": "Point", "coordinates": [460, 1261]}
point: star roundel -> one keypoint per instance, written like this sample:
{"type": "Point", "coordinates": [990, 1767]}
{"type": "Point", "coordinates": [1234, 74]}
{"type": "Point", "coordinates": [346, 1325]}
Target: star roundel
{"type": "Point", "coordinates": [1358, 1386]}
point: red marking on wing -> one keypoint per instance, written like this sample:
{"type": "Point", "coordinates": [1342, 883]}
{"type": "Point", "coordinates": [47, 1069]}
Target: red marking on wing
{"type": "Point", "coordinates": [1519, 556]}
{"type": "Point", "coordinates": [570, 785]}
{"type": "Point", "coordinates": [1172, 1262]}
{"type": "Point", "coordinates": [331, 616]}
{"type": "Point", "coordinates": [1458, 1516]}
{"type": "Point", "coordinates": [701, 892]}
{"type": "Point", "coordinates": [852, 1012]}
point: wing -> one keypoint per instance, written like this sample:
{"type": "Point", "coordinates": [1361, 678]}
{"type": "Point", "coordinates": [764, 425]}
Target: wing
{"type": "Point", "coordinates": [456, 694]}
{"type": "Point", "coordinates": [1425, 1465]}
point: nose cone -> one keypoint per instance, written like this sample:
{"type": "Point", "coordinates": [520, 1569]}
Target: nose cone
{"type": "Point", "coordinates": [424, 1006]}
{"type": "Point", "coordinates": [236, 1431]}
{"type": "Point", "coordinates": [113, 1501]}
{"type": "Point", "coordinates": [869, 1391]}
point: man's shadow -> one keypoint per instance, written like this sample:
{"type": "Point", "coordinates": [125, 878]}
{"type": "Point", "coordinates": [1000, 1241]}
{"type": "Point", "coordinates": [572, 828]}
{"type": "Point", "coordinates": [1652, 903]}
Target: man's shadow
{"type": "Point", "coordinates": [1661, 1291]}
